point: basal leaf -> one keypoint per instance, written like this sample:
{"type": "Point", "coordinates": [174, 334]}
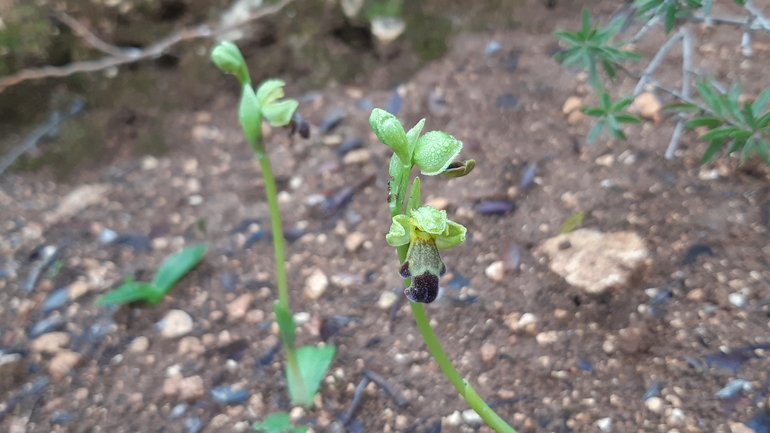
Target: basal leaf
{"type": "Point", "coordinates": [177, 265]}
{"type": "Point", "coordinates": [277, 422]}
{"type": "Point", "coordinates": [132, 291]}
{"type": "Point", "coordinates": [313, 363]}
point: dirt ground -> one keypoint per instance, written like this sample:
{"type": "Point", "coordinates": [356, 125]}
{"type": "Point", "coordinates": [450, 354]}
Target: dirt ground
{"type": "Point", "coordinates": [586, 359]}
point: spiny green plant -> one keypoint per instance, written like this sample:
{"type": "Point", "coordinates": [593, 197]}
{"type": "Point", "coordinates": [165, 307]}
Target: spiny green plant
{"type": "Point", "coordinates": [419, 232]}
{"type": "Point", "coordinates": [306, 365]}
{"type": "Point", "coordinates": [741, 126]}
{"type": "Point", "coordinates": [170, 272]}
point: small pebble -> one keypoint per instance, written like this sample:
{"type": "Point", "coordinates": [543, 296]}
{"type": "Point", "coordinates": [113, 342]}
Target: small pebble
{"type": "Point", "coordinates": [51, 342]}
{"type": "Point", "coordinates": [196, 200]}
{"type": "Point", "coordinates": [316, 284]}
{"type": "Point", "coordinates": [139, 345]}
{"type": "Point", "coordinates": [655, 404]}
{"type": "Point", "coordinates": [107, 236]}
{"type": "Point", "coordinates": [488, 352]}
{"type": "Point", "coordinates": [178, 410]}
{"type": "Point", "coordinates": [605, 424]}
{"type": "Point", "coordinates": [455, 419]}
{"type": "Point", "coordinates": [737, 299]}
{"type": "Point", "coordinates": [471, 418]}
{"type": "Point", "coordinates": [191, 388]}
{"type": "Point", "coordinates": [606, 160]}
{"type": "Point", "coordinates": [63, 363]}
{"type": "Point", "coordinates": [175, 324]}
{"type": "Point", "coordinates": [572, 103]}
{"type": "Point", "coordinates": [56, 299]}
{"type": "Point", "coordinates": [149, 163]}
{"type": "Point", "coordinates": [46, 325]}
{"type": "Point", "coordinates": [387, 299]}
{"type": "Point", "coordinates": [190, 344]}
{"type": "Point", "coordinates": [358, 156]}
{"type": "Point", "coordinates": [354, 241]}
{"type": "Point", "coordinates": [225, 394]}
{"type": "Point", "coordinates": [193, 424]}
{"type": "Point", "coordinates": [301, 318]}
{"type": "Point", "coordinates": [493, 47]}
{"type": "Point", "coordinates": [496, 271]}
{"type": "Point", "coordinates": [440, 203]}
{"type": "Point", "coordinates": [237, 308]}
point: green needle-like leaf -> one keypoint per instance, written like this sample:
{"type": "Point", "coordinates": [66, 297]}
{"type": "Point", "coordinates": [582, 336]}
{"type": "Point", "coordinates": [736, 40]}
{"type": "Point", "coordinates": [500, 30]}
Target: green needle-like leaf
{"type": "Point", "coordinates": [759, 104]}
{"type": "Point", "coordinates": [595, 131]}
{"type": "Point", "coordinates": [712, 150]}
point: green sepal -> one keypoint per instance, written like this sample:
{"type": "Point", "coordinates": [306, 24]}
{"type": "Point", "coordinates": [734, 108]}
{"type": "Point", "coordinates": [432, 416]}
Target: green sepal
{"type": "Point", "coordinates": [286, 324]}
{"type": "Point", "coordinates": [413, 136]}
{"type": "Point", "coordinates": [453, 236]}
{"type": "Point", "coordinates": [435, 151]}
{"type": "Point", "coordinates": [250, 115]}
{"type": "Point", "coordinates": [389, 131]}
{"type": "Point", "coordinates": [415, 197]}
{"type": "Point", "coordinates": [278, 113]}
{"type": "Point", "coordinates": [399, 231]}
{"type": "Point", "coordinates": [229, 59]}
{"type": "Point", "coordinates": [430, 220]}
{"type": "Point", "coordinates": [460, 169]}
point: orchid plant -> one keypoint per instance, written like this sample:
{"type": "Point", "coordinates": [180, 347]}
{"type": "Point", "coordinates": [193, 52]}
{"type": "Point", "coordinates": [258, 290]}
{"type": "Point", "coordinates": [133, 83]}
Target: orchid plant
{"type": "Point", "coordinates": [419, 232]}
{"type": "Point", "coordinates": [306, 365]}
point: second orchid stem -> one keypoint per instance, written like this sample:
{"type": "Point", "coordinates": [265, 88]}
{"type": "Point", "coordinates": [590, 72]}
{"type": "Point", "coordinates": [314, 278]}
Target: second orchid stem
{"type": "Point", "coordinates": [434, 346]}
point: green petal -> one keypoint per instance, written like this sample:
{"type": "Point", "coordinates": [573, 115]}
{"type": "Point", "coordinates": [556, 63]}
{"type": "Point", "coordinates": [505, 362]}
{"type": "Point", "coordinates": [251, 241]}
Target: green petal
{"type": "Point", "coordinates": [430, 220]}
{"type": "Point", "coordinates": [453, 236]}
{"type": "Point", "coordinates": [399, 231]}
{"type": "Point", "coordinates": [270, 91]}
{"type": "Point", "coordinates": [279, 113]}
{"type": "Point", "coordinates": [435, 151]}
{"type": "Point", "coordinates": [389, 130]}
{"type": "Point", "coordinates": [413, 136]}
{"type": "Point", "coordinates": [250, 115]}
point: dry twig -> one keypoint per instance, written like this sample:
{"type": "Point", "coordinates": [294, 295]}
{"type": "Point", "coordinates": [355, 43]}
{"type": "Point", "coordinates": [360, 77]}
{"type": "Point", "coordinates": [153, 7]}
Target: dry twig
{"type": "Point", "coordinates": [118, 56]}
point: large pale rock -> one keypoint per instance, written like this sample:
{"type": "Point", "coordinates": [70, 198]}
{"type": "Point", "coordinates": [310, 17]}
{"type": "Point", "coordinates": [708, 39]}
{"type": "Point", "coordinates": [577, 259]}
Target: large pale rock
{"type": "Point", "coordinates": [595, 261]}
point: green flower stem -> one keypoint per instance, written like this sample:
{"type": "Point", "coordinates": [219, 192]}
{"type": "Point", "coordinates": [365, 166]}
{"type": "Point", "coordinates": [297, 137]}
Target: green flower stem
{"type": "Point", "coordinates": [434, 346]}
{"type": "Point", "coordinates": [278, 247]}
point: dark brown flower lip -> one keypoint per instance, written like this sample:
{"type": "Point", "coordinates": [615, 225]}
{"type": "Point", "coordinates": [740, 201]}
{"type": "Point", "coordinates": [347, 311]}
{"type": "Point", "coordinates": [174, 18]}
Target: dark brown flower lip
{"type": "Point", "coordinates": [424, 288]}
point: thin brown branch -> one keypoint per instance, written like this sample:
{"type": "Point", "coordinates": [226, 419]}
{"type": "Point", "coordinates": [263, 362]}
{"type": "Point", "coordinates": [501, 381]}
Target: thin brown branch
{"type": "Point", "coordinates": [93, 40]}
{"type": "Point", "coordinates": [151, 51]}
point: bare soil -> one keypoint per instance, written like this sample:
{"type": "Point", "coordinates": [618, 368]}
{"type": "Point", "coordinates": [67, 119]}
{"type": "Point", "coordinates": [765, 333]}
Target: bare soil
{"type": "Point", "coordinates": [601, 355]}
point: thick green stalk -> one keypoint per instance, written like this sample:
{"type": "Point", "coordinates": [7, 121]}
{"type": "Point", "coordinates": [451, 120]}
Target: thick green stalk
{"type": "Point", "coordinates": [434, 346]}
{"type": "Point", "coordinates": [280, 256]}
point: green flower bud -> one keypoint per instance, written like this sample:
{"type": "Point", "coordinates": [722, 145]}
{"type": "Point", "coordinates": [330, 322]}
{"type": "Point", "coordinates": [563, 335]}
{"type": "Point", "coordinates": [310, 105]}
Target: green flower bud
{"type": "Point", "coordinates": [228, 58]}
{"type": "Point", "coordinates": [389, 131]}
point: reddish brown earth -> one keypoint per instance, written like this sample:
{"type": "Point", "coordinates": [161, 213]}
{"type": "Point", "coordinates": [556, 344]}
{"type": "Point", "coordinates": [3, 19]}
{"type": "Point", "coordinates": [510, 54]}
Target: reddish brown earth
{"type": "Point", "coordinates": [594, 357]}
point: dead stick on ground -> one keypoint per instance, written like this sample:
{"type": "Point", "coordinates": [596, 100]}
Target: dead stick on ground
{"type": "Point", "coordinates": [386, 386]}
{"type": "Point", "coordinates": [93, 40]}
{"type": "Point", "coordinates": [152, 51]}
{"type": "Point", "coordinates": [348, 414]}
